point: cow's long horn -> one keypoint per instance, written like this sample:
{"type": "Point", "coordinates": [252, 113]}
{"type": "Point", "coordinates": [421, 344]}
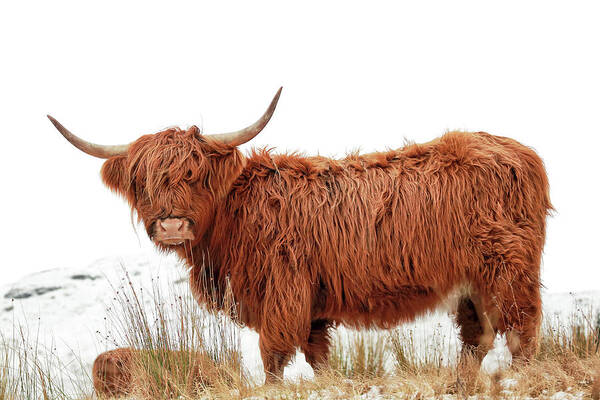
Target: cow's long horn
{"type": "Point", "coordinates": [96, 150]}
{"type": "Point", "coordinates": [242, 136]}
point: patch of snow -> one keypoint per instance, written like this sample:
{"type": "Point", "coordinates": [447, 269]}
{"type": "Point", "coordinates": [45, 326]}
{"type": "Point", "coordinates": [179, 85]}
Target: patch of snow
{"type": "Point", "coordinates": [374, 393]}
{"type": "Point", "coordinates": [566, 396]}
{"type": "Point", "coordinates": [508, 383]}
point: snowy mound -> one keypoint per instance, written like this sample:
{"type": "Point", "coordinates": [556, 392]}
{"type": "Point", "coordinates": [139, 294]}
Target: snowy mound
{"type": "Point", "coordinates": [66, 309]}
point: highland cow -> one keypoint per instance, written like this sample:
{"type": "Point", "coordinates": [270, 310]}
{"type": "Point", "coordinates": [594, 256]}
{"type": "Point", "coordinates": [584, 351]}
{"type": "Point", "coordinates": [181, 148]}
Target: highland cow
{"type": "Point", "coordinates": [373, 240]}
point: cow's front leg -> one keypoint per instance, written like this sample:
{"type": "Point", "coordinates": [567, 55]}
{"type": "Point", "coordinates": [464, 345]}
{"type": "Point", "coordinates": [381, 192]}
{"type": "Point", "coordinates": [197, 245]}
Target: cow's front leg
{"type": "Point", "coordinates": [275, 357]}
{"type": "Point", "coordinates": [285, 319]}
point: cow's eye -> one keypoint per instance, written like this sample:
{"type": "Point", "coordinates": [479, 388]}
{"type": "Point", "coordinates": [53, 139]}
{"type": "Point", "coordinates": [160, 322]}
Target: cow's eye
{"type": "Point", "coordinates": [189, 174]}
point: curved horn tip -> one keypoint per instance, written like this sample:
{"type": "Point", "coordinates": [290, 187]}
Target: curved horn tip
{"type": "Point", "coordinates": [274, 102]}
{"type": "Point", "coordinates": [52, 119]}
{"type": "Point", "coordinates": [93, 149]}
{"type": "Point", "coordinates": [278, 93]}
{"type": "Point", "coordinates": [244, 135]}
{"type": "Point", "coordinates": [57, 124]}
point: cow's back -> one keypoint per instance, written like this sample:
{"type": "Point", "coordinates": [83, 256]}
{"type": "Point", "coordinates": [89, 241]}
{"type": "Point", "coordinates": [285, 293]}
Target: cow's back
{"type": "Point", "coordinates": [379, 237]}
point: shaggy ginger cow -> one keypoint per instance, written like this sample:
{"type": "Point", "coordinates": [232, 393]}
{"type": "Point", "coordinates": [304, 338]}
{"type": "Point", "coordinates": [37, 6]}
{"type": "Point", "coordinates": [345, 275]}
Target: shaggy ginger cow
{"type": "Point", "coordinates": [306, 243]}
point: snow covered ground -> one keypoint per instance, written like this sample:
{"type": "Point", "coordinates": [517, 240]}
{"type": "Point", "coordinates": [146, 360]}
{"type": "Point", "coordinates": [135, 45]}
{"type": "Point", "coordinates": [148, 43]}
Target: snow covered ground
{"type": "Point", "coordinates": [66, 311]}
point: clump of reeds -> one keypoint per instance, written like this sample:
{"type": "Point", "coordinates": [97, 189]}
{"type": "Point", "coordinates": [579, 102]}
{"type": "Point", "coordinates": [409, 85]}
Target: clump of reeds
{"type": "Point", "coordinates": [362, 354]}
{"type": "Point", "coordinates": [580, 337]}
{"type": "Point", "coordinates": [31, 371]}
{"type": "Point", "coordinates": [182, 350]}
{"type": "Point", "coordinates": [428, 364]}
{"type": "Point", "coordinates": [412, 357]}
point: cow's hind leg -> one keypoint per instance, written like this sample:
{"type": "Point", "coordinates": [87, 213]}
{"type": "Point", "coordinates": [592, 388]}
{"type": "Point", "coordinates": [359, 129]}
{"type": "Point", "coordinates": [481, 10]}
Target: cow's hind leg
{"type": "Point", "coordinates": [274, 360]}
{"type": "Point", "coordinates": [316, 348]}
{"type": "Point", "coordinates": [519, 303]}
{"type": "Point", "coordinates": [510, 278]}
{"type": "Point", "coordinates": [477, 332]}
{"type": "Point", "coordinates": [477, 327]}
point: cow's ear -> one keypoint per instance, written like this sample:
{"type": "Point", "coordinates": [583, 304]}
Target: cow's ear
{"type": "Point", "coordinates": [114, 174]}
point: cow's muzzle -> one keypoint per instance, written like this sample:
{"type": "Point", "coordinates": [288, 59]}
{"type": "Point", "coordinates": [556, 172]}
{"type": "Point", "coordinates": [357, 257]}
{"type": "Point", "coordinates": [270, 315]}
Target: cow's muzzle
{"type": "Point", "coordinates": [172, 231]}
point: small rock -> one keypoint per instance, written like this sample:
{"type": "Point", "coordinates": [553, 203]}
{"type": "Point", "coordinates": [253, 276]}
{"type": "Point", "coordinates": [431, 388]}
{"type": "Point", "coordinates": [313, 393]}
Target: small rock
{"type": "Point", "coordinates": [18, 293]}
{"type": "Point", "coordinates": [80, 277]}
{"type": "Point", "coordinates": [45, 289]}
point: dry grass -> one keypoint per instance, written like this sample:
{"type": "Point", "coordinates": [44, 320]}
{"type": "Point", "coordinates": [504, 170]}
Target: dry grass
{"type": "Point", "coordinates": [358, 355]}
{"type": "Point", "coordinates": [186, 353]}
{"type": "Point", "coordinates": [183, 351]}
{"type": "Point", "coordinates": [412, 356]}
{"type": "Point", "coordinates": [567, 361]}
{"type": "Point", "coordinates": [579, 336]}
{"type": "Point", "coordinates": [28, 371]}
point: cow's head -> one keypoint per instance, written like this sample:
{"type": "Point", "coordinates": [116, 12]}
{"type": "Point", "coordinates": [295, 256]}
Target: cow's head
{"type": "Point", "coordinates": [173, 178]}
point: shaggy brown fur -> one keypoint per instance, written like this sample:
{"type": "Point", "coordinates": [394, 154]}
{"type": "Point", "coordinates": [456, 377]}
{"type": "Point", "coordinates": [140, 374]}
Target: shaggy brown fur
{"type": "Point", "coordinates": [111, 372]}
{"type": "Point", "coordinates": [374, 240]}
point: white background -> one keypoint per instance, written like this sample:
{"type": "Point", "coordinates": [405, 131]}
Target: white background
{"type": "Point", "coordinates": [355, 75]}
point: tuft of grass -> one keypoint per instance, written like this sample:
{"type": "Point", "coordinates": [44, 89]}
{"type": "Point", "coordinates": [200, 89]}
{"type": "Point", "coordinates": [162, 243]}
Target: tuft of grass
{"type": "Point", "coordinates": [5, 373]}
{"type": "Point", "coordinates": [183, 350]}
{"type": "Point", "coordinates": [579, 337]}
{"type": "Point", "coordinates": [596, 386]}
{"type": "Point", "coordinates": [29, 371]}
{"type": "Point", "coordinates": [412, 357]}
{"type": "Point", "coordinates": [359, 354]}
